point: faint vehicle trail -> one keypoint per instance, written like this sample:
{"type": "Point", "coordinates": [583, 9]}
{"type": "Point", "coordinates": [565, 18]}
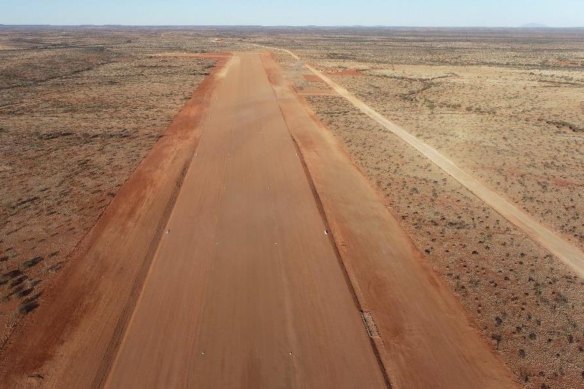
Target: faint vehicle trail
{"type": "Point", "coordinates": [567, 252]}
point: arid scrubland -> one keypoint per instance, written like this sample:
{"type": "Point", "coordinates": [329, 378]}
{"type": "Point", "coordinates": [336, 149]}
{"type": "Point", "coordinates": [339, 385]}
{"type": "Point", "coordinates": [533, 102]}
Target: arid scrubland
{"type": "Point", "coordinates": [79, 109]}
{"type": "Point", "coordinates": [507, 106]}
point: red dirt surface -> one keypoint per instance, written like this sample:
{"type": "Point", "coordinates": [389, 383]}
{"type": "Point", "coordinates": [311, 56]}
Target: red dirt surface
{"type": "Point", "coordinates": [312, 78]}
{"type": "Point", "coordinates": [277, 266]}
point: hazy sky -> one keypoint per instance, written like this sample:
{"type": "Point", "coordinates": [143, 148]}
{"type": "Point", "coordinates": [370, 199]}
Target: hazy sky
{"type": "Point", "coordinates": [555, 13]}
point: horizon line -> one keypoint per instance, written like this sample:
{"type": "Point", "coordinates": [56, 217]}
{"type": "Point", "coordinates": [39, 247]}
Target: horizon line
{"type": "Point", "coordinates": [526, 26]}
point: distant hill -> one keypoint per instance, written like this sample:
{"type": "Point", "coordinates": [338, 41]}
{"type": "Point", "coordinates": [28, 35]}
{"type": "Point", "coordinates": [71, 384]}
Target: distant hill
{"type": "Point", "coordinates": [534, 25]}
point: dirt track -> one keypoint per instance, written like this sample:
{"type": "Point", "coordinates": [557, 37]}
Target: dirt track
{"type": "Point", "coordinates": [566, 251]}
{"type": "Point", "coordinates": [251, 287]}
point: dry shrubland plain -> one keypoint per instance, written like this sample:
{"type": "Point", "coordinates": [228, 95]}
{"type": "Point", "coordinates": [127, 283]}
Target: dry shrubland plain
{"type": "Point", "coordinates": [79, 110]}
{"type": "Point", "coordinates": [81, 107]}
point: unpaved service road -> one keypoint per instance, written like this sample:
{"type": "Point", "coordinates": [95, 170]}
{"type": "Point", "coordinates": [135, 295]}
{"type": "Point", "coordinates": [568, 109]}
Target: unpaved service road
{"type": "Point", "coordinates": [246, 289]}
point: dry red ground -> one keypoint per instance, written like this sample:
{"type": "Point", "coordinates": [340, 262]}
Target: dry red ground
{"type": "Point", "coordinates": [293, 271]}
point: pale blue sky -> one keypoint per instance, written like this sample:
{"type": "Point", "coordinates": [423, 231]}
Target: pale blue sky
{"type": "Point", "coordinates": [554, 13]}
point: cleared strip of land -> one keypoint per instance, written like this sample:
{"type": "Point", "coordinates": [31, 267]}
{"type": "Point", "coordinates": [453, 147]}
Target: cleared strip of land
{"type": "Point", "coordinates": [246, 289]}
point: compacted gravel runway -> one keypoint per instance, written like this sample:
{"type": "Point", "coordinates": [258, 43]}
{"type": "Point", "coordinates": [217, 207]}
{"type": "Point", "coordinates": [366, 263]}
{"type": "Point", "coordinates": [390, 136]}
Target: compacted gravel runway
{"type": "Point", "coordinates": [246, 288]}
